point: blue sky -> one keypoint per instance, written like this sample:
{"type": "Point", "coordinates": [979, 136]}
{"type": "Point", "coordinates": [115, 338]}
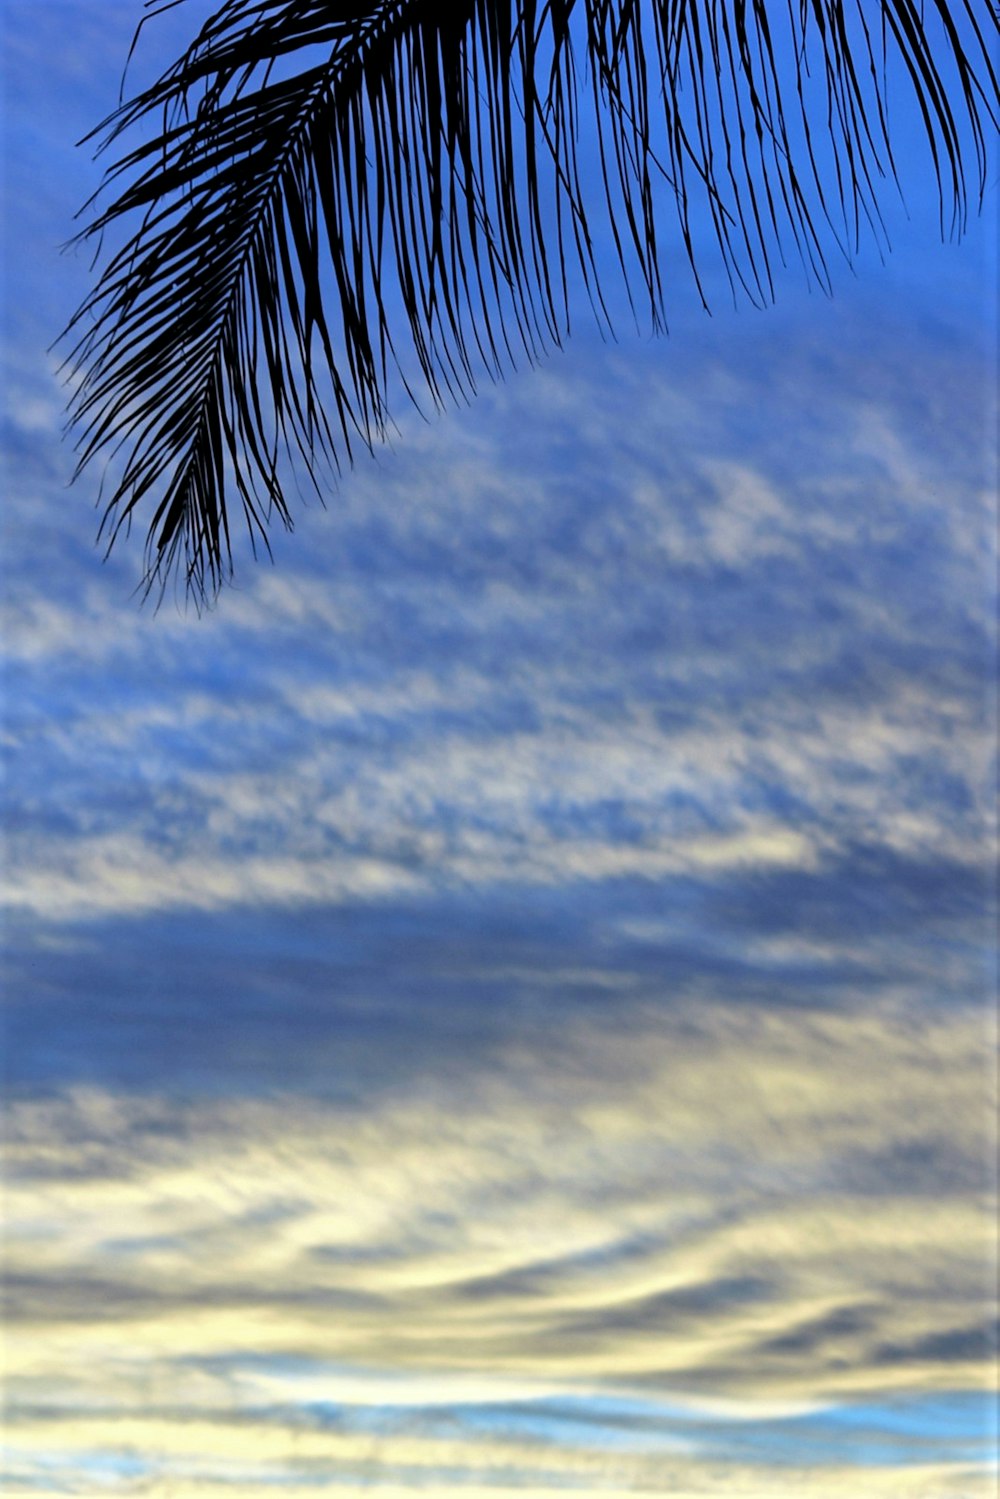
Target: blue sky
{"type": "Point", "coordinates": [503, 1003]}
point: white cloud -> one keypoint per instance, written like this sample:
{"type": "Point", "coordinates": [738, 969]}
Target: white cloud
{"type": "Point", "coordinates": [481, 657]}
{"type": "Point", "coordinates": [443, 796]}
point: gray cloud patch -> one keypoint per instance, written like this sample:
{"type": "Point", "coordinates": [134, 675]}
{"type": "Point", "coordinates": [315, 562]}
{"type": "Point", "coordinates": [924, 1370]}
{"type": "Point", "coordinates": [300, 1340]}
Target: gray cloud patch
{"type": "Point", "coordinates": [960, 1345]}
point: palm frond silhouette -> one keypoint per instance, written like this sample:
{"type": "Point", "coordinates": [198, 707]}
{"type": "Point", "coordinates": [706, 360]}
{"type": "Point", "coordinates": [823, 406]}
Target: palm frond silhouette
{"type": "Point", "coordinates": [324, 198]}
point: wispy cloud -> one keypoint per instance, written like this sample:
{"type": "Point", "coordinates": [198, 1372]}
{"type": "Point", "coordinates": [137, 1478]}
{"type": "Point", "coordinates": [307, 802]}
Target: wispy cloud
{"type": "Point", "coordinates": [785, 1212]}
{"type": "Point", "coordinates": [487, 672]}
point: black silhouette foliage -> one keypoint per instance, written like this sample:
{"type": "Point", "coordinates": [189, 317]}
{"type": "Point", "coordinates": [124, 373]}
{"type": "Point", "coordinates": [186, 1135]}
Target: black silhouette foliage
{"type": "Point", "coordinates": [322, 198]}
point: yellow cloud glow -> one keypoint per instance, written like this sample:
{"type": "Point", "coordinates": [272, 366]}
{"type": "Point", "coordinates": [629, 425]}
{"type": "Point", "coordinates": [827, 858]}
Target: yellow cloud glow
{"type": "Point", "coordinates": [730, 1207]}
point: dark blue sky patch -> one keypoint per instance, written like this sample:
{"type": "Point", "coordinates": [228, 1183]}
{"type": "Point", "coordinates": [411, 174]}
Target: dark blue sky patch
{"type": "Point", "coordinates": [257, 998]}
{"type": "Point", "coordinates": [926, 1165]}
{"type": "Point", "coordinates": [870, 895]}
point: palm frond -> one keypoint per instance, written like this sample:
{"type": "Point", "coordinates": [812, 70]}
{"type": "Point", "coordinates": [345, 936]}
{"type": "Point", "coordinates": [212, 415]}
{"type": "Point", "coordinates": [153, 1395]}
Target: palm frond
{"type": "Point", "coordinates": [336, 196]}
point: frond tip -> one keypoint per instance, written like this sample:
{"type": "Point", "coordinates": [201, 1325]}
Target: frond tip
{"type": "Point", "coordinates": [336, 198]}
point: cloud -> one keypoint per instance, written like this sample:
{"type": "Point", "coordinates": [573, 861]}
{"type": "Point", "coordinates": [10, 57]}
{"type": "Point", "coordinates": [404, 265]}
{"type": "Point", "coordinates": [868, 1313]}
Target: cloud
{"type": "Point", "coordinates": [692, 648]}
{"type": "Point", "coordinates": [752, 1205]}
{"type": "Point", "coordinates": [334, 792]}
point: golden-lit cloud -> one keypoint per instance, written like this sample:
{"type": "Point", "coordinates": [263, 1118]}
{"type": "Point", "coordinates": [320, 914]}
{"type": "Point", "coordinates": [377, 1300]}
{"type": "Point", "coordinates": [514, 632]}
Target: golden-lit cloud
{"type": "Point", "coordinates": [734, 1217]}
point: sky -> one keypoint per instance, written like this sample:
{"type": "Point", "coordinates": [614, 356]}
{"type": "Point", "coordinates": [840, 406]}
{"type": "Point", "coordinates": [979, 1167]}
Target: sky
{"type": "Point", "coordinates": [504, 1003]}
